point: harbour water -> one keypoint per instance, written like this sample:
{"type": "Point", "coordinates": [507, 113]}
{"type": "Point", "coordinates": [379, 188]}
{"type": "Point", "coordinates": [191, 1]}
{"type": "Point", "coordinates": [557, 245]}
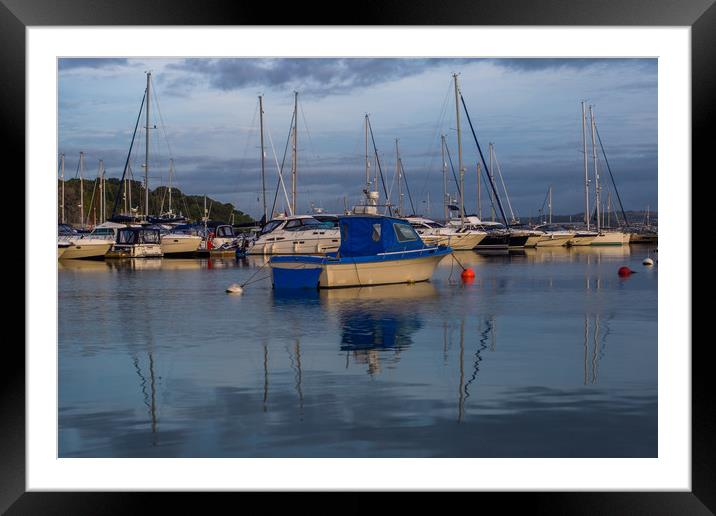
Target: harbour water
{"type": "Point", "coordinates": [548, 353]}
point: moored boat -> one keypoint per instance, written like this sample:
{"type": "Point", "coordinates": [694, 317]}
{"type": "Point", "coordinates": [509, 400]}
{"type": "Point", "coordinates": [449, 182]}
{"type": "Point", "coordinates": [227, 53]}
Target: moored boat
{"type": "Point", "coordinates": [136, 242]}
{"type": "Point", "coordinates": [374, 250]}
{"type": "Point", "coordinates": [611, 238]}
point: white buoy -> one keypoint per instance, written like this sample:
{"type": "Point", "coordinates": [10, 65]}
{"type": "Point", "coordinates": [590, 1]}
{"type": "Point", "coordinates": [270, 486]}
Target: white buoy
{"type": "Point", "coordinates": [648, 261]}
{"type": "Point", "coordinates": [235, 288]}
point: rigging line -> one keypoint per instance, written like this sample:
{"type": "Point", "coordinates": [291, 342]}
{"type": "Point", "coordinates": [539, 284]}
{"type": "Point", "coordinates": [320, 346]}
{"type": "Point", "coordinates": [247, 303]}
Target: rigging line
{"type": "Point", "coordinates": [626, 222]}
{"type": "Point", "coordinates": [407, 187]}
{"type": "Point", "coordinates": [452, 167]}
{"type": "Point", "coordinates": [438, 127]}
{"type": "Point", "coordinates": [497, 197]}
{"type": "Point", "coordinates": [77, 172]}
{"type": "Point", "coordinates": [129, 154]}
{"type": "Point", "coordinates": [278, 168]}
{"type": "Point", "coordinates": [507, 196]}
{"type": "Point", "coordinates": [252, 129]}
{"type": "Point", "coordinates": [283, 163]}
{"type": "Point", "coordinates": [377, 160]}
{"type": "Point", "coordinates": [161, 118]}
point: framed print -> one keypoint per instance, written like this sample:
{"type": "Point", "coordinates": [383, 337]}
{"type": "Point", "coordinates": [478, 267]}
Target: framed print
{"type": "Point", "coordinates": [420, 258]}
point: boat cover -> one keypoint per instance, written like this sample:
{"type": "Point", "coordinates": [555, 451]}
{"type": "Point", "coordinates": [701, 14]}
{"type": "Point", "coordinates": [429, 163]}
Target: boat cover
{"type": "Point", "coordinates": [367, 235]}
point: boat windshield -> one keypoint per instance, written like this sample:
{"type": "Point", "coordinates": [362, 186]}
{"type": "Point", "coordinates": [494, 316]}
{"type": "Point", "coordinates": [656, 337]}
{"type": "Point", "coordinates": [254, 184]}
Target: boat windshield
{"type": "Point", "coordinates": [405, 233]}
{"type": "Point", "coordinates": [270, 226]}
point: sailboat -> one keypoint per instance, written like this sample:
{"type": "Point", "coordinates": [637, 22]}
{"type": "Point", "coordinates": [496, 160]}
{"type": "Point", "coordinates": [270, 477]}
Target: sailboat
{"type": "Point", "coordinates": [292, 233]}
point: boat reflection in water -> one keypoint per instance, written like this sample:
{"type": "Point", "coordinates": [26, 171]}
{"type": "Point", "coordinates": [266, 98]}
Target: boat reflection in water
{"type": "Point", "coordinates": [377, 323]}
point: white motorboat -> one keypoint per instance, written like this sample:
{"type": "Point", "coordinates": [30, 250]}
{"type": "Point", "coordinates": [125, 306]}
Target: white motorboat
{"type": "Point", "coordinates": [433, 233]}
{"type": "Point", "coordinates": [92, 245]}
{"type": "Point", "coordinates": [180, 240]}
{"type": "Point", "coordinates": [554, 236]}
{"type": "Point", "coordinates": [298, 234]}
{"type": "Point", "coordinates": [582, 238]}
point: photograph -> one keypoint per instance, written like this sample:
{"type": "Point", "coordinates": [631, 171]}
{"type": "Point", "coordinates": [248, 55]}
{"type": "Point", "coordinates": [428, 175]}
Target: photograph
{"type": "Point", "coordinates": [357, 257]}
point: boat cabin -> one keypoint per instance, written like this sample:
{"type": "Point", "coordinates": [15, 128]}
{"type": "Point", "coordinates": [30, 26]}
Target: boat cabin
{"type": "Point", "coordinates": [135, 236]}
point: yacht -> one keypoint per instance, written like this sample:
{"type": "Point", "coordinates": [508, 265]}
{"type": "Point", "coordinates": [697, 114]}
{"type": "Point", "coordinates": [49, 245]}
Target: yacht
{"type": "Point", "coordinates": [433, 233]}
{"type": "Point", "coordinates": [296, 234]}
{"type": "Point", "coordinates": [93, 245]}
{"type": "Point", "coordinates": [179, 240]}
{"type": "Point", "coordinates": [611, 237]}
{"type": "Point", "coordinates": [582, 237]}
{"type": "Point", "coordinates": [497, 235]}
{"type": "Point", "coordinates": [554, 235]}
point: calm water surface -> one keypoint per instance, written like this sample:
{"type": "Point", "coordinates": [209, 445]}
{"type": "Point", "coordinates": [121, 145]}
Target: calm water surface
{"type": "Point", "coordinates": [548, 353]}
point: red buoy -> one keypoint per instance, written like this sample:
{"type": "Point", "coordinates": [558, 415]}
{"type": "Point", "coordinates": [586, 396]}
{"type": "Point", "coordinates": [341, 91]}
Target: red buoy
{"type": "Point", "coordinates": [467, 274]}
{"type": "Point", "coordinates": [624, 271]}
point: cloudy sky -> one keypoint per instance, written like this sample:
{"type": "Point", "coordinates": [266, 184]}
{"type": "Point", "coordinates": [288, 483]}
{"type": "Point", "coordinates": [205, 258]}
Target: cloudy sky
{"type": "Point", "coordinates": [207, 121]}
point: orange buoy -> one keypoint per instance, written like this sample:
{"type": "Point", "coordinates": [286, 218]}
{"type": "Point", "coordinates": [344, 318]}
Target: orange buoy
{"type": "Point", "coordinates": [467, 274]}
{"type": "Point", "coordinates": [624, 271]}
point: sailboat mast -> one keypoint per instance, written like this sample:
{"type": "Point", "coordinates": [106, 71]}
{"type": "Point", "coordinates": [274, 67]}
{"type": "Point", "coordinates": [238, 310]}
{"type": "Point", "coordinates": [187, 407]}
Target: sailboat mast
{"type": "Point", "coordinates": [263, 168]}
{"type": "Point", "coordinates": [492, 178]}
{"type": "Point", "coordinates": [400, 179]}
{"type": "Point", "coordinates": [146, 154]}
{"type": "Point", "coordinates": [596, 171]}
{"type": "Point", "coordinates": [459, 151]}
{"type": "Point", "coordinates": [550, 204]}
{"type": "Point", "coordinates": [294, 162]}
{"type": "Point", "coordinates": [586, 168]}
{"type": "Point", "coordinates": [62, 167]}
{"type": "Point", "coordinates": [446, 201]}
{"type": "Point", "coordinates": [101, 190]}
{"type": "Point", "coordinates": [367, 163]}
{"type": "Point", "coordinates": [82, 189]}
{"type": "Point", "coordinates": [479, 192]}
{"type": "Point", "coordinates": [171, 172]}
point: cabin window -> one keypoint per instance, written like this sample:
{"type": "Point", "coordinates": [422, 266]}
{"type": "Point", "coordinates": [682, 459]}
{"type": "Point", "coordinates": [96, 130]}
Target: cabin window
{"type": "Point", "coordinates": [375, 234]}
{"type": "Point", "coordinates": [293, 225]}
{"type": "Point", "coordinates": [405, 233]}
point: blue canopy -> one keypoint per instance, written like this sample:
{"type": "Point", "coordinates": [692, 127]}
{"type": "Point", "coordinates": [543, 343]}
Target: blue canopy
{"type": "Point", "coordinates": [369, 235]}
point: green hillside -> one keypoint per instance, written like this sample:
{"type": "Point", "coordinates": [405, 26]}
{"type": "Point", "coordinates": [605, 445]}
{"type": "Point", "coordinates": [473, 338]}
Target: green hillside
{"type": "Point", "coordinates": [190, 206]}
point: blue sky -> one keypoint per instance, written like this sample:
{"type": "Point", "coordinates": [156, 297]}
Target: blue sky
{"type": "Point", "coordinates": [208, 122]}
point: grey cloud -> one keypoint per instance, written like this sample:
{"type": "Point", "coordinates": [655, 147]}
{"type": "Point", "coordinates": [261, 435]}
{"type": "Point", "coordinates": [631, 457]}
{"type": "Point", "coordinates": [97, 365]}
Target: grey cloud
{"type": "Point", "coordinates": [314, 76]}
{"type": "Point", "coordinates": [68, 63]}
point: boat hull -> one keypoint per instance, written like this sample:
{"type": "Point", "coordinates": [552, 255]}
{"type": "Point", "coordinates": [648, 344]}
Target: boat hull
{"type": "Point", "coordinates": [302, 246]}
{"type": "Point", "coordinates": [581, 240]}
{"type": "Point", "coordinates": [494, 241]}
{"type": "Point", "coordinates": [175, 245]}
{"type": "Point", "coordinates": [386, 269]}
{"type": "Point", "coordinates": [532, 240]}
{"type": "Point", "coordinates": [82, 250]}
{"type": "Point", "coordinates": [135, 251]}
{"type": "Point", "coordinates": [462, 241]}
{"type": "Point", "coordinates": [552, 240]}
{"type": "Point", "coordinates": [611, 238]}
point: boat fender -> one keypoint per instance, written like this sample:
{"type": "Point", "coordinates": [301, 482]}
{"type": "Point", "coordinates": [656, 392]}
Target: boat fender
{"type": "Point", "coordinates": [625, 272]}
{"type": "Point", "coordinates": [648, 262]}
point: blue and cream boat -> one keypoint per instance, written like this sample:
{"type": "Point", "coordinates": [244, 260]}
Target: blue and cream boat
{"type": "Point", "coordinates": [374, 250]}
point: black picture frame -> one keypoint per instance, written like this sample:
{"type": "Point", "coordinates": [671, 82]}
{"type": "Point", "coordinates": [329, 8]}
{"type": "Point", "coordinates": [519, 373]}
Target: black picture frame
{"type": "Point", "coordinates": [700, 15]}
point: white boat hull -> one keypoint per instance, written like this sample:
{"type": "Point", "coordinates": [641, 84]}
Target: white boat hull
{"type": "Point", "coordinates": [88, 249]}
{"type": "Point", "coordinates": [611, 238]}
{"type": "Point", "coordinates": [180, 244]}
{"type": "Point", "coordinates": [136, 251]}
{"type": "Point", "coordinates": [306, 245]}
{"type": "Point", "coordinates": [582, 240]}
{"type": "Point", "coordinates": [552, 240]}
